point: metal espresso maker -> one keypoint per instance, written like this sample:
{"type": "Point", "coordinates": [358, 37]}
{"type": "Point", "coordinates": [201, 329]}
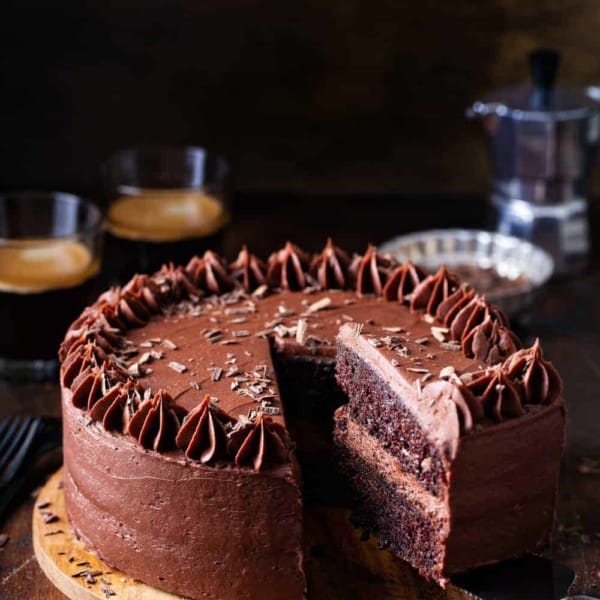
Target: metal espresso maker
{"type": "Point", "coordinates": [543, 140]}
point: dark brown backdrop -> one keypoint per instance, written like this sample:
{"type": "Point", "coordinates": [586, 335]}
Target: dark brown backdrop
{"type": "Point", "coordinates": [320, 96]}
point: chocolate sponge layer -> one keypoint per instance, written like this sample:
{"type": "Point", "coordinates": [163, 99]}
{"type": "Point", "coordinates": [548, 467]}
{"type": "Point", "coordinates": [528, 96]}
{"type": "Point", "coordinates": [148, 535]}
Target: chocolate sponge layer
{"type": "Point", "coordinates": [414, 531]}
{"type": "Point", "coordinates": [383, 415]}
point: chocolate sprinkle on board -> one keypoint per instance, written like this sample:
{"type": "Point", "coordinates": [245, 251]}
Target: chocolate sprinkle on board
{"type": "Point", "coordinates": [107, 591]}
{"type": "Point", "coordinates": [49, 517]}
{"type": "Point", "coordinates": [169, 344]}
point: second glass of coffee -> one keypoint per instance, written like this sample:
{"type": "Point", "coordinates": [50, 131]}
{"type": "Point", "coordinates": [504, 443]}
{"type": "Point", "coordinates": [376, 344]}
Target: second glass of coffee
{"type": "Point", "coordinates": [50, 246]}
{"type": "Point", "coordinates": [165, 204]}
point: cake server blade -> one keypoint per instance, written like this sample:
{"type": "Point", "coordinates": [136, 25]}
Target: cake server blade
{"type": "Point", "coordinates": [531, 577]}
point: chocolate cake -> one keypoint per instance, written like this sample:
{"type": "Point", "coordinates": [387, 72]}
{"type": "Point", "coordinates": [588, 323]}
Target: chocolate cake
{"type": "Point", "coordinates": [190, 394]}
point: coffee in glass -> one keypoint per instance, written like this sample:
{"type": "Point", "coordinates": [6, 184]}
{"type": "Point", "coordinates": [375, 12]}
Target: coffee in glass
{"type": "Point", "coordinates": [50, 246]}
{"type": "Point", "coordinates": [165, 204]}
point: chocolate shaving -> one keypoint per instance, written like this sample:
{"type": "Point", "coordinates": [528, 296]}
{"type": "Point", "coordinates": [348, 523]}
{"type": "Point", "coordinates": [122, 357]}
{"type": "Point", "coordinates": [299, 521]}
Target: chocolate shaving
{"type": "Point", "coordinates": [177, 366]}
{"type": "Point", "coordinates": [54, 532]}
{"type": "Point", "coordinates": [216, 373]}
{"type": "Point", "coordinates": [49, 517]}
{"type": "Point", "coordinates": [321, 304]}
{"type": "Point", "coordinates": [450, 345]}
{"type": "Point", "coordinates": [301, 331]}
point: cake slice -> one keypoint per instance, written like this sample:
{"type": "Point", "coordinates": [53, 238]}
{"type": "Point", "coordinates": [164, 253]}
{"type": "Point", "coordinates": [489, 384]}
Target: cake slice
{"type": "Point", "coordinates": [453, 464]}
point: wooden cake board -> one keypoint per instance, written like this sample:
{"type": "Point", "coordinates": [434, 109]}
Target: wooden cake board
{"type": "Point", "coordinates": [340, 563]}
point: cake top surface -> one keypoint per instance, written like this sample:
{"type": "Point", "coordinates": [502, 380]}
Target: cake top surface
{"type": "Point", "coordinates": [182, 358]}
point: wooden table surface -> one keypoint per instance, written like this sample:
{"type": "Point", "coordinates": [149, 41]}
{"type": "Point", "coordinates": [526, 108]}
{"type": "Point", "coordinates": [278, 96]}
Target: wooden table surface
{"type": "Point", "coordinates": [567, 319]}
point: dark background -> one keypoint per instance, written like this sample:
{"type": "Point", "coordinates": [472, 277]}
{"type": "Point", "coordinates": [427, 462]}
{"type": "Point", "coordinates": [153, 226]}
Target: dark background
{"type": "Point", "coordinates": [318, 97]}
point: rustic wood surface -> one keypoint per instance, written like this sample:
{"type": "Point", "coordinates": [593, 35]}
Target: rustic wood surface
{"type": "Point", "coordinates": [567, 319]}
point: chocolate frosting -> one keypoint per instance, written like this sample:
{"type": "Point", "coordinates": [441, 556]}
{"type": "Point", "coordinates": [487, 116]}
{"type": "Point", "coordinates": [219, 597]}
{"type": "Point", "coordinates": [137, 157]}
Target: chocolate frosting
{"type": "Point", "coordinates": [490, 342]}
{"type": "Point", "coordinates": [330, 267]}
{"type": "Point", "coordinates": [116, 407]}
{"type": "Point", "coordinates": [248, 270]}
{"type": "Point", "coordinates": [202, 434]}
{"type": "Point", "coordinates": [539, 380]}
{"type": "Point", "coordinates": [433, 290]}
{"type": "Point", "coordinates": [95, 329]}
{"type": "Point", "coordinates": [209, 273]}
{"type": "Point", "coordinates": [175, 283]}
{"type": "Point", "coordinates": [131, 310]}
{"type": "Point", "coordinates": [402, 282]}
{"type": "Point", "coordinates": [472, 314]}
{"type": "Point", "coordinates": [287, 268]}
{"type": "Point", "coordinates": [493, 393]}
{"type": "Point", "coordinates": [481, 328]}
{"type": "Point", "coordinates": [259, 444]}
{"type": "Point", "coordinates": [451, 306]}
{"type": "Point", "coordinates": [156, 422]}
{"type": "Point", "coordinates": [371, 271]}
{"type": "Point", "coordinates": [84, 357]}
{"type": "Point", "coordinates": [88, 387]}
{"type": "Point", "coordinates": [145, 290]}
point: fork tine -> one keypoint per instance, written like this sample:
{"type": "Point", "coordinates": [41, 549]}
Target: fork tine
{"type": "Point", "coordinates": [9, 426]}
{"type": "Point", "coordinates": [15, 442]}
{"type": "Point", "coordinates": [4, 425]}
{"type": "Point", "coordinates": [34, 425]}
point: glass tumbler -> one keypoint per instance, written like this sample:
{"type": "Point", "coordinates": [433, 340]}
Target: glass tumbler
{"type": "Point", "coordinates": [165, 204]}
{"type": "Point", "coordinates": [50, 252]}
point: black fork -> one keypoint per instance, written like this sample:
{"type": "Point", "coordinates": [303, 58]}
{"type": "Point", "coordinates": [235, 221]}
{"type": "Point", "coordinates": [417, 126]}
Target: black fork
{"type": "Point", "coordinates": [23, 440]}
{"type": "Point", "coordinates": [17, 437]}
